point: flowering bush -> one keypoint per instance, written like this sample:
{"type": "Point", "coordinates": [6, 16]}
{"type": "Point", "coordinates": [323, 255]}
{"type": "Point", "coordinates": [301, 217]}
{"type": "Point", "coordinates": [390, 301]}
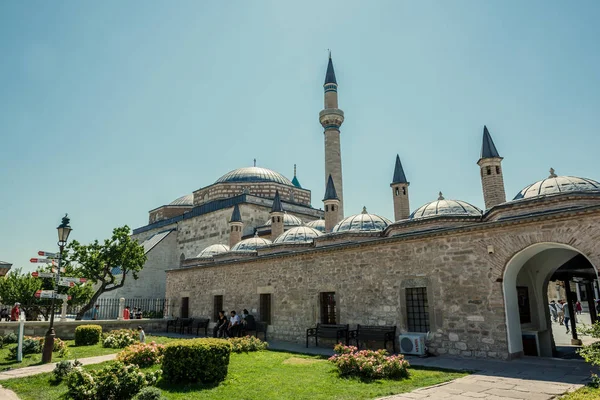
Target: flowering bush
{"type": "Point", "coordinates": [59, 345]}
{"type": "Point", "coordinates": [114, 382]}
{"type": "Point", "coordinates": [368, 364]}
{"type": "Point", "coordinates": [120, 338]}
{"type": "Point", "coordinates": [63, 369]}
{"type": "Point", "coordinates": [142, 354]}
{"type": "Point", "coordinates": [246, 344]}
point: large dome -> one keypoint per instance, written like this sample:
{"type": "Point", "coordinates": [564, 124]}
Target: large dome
{"type": "Point", "coordinates": [212, 250]}
{"type": "Point", "coordinates": [187, 200]}
{"type": "Point", "coordinates": [299, 234]}
{"type": "Point", "coordinates": [454, 208]}
{"type": "Point", "coordinates": [288, 220]}
{"type": "Point", "coordinates": [318, 224]}
{"type": "Point", "coordinates": [558, 184]}
{"type": "Point", "coordinates": [251, 244]}
{"type": "Point", "coordinates": [254, 174]}
{"type": "Point", "coordinates": [364, 222]}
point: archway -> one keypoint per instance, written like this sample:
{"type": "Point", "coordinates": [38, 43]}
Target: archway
{"type": "Point", "coordinates": [524, 285]}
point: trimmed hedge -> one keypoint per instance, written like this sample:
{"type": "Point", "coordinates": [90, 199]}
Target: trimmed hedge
{"type": "Point", "coordinates": [86, 335]}
{"type": "Point", "coordinates": [196, 360]}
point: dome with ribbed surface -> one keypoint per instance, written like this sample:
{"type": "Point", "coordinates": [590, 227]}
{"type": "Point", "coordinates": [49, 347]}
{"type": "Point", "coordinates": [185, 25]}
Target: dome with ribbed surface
{"type": "Point", "coordinates": [299, 234]}
{"type": "Point", "coordinates": [254, 174]}
{"type": "Point", "coordinates": [288, 220]}
{"type": "Point", "coordinates": [558, 184]}
{"type": "Point", "coordinates": [187, 200]}
{"type": "Point", "coordinates": [212, 250]}
{"type": "Point", "coordinates": [251, 244]}
{"type": "Point", "coordinates": [318, 224]}
{"type": "Point", "coordinates": [444, 207]}
{"type": "Point", "coordinates": [363, 222]}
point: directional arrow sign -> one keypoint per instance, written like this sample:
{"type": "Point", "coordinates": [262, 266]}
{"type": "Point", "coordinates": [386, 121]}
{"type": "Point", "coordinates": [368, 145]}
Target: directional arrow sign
{"type": "Point", "coordinates": [47, 254]}
{"type": "Point", "coordinates": [42, 260]}
{"type": "Point", "coordinates": [42, 274]}
{"type": "Point", "coordinates": [63, 297]}
{"type": "Point", "coordinates": [72, 279]}
{"type": "Point", "coordinates": [44, 294]}
{"type": "Point", "coordinates": [64, 282]}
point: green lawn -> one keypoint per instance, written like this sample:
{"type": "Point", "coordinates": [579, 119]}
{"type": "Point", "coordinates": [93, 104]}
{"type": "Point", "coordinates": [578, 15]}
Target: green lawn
{"type": "Point", "coordinates": [585, 393]}
{"type": "Point", "coordinates": [74, 352]}
{"type": "Point", "coordinates": [264, 375]}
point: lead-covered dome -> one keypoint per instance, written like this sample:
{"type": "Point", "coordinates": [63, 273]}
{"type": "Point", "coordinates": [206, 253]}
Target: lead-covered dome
{"type": "Point", "coordinates": [318, 224]}
{"type": "Point", "coordinates": [254, 174]}
{"type": "Point", "coordinates": [288, 220]}
{"type": "Point", "coordinates": [558, 184]}
{"type": "Point", "coordinates": [187, 200]}
{"type": "Point", "coordinates": [299, 234]}
{"type": "Point", "coordinates": [212, 250]}
{"type": "Point", "coordinates": [251, 244]}
{"type": "Point", "coordinates": [363, 222]}
{"type": "Point", "coordinates": [444, 207]}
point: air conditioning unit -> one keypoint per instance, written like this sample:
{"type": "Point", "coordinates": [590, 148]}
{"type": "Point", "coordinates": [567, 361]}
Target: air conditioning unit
{"type": "Point", "coordinates": [412, 343]}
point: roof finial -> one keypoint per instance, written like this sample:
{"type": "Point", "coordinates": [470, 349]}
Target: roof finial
{"type": "Point", "coordinates": [552, 174]}
{"type": "Point", "coordinates": [441, 196]}
{"type": "Point", "coordinates": [294, 169]}
{"type": "Point", "coordinates": [364, 211]}
{"type": "Point", "coordinates": [329, 50]}
{"type": "Point", "coordinates": [255, 162]}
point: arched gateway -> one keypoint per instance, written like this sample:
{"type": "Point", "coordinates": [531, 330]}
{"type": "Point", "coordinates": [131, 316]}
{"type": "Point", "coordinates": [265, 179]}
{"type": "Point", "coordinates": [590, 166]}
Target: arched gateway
{"type": "Point", "coordinates": [525, 289]}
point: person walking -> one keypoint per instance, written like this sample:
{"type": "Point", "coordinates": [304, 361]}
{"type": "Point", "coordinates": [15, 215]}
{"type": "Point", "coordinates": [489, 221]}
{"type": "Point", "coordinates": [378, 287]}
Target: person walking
{"type": "Point", "coordinates": [142, 334]}
{"type": "Point", "coordinates": [578, 308]}
{"type": "Point", "coordinates": [560, 308]}
{"type": "Point", "coordinates": [553, 311]}
{"type": "Point", "coordinates": [126, 313]}
{"type": "Point", "coordinates": [14, 313]}
{"type": "Point", "coordinates": [95, 312]}
{"type": "Point", "coordinates": [567, 315]}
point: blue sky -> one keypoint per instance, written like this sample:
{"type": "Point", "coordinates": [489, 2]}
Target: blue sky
{"type": "Point", "coordinates": [110, 109]}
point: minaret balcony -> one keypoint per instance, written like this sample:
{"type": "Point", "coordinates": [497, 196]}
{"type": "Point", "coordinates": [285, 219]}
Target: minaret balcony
{"type": "Point", "coordinates": [331, 117]}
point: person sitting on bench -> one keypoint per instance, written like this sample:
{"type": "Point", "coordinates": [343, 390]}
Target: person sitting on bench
{"type": "Point", "coordinates": [221, 327]}
{"type": "Point", "coordinates": [234, 325]}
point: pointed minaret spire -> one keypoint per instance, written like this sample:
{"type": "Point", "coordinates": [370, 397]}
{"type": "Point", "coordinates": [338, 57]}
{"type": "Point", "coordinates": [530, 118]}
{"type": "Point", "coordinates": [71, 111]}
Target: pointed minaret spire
{"type": "Point", "coordinates": [295, 180]}
{"type": "Point", "coordinates": [277, 203]}
{"type": "Point", "coordinates": [277, 216]}
{"type": "Point", "coordinates": [236, 226]}
{"type": "Point", "coordinates": [236, 216]}
{"type": "Point", "coordinates": [330, 74]}
{"type": "Point", "coordinates": [400, 192]}
{"type": "Point", "coordinates": [488, 148]}
{"type": "Point", "coordinates": [330, 193]}
{"type": "Point", "coordinates": [399, 176]}
{"type": "Point", "coordinates": [490, 165]}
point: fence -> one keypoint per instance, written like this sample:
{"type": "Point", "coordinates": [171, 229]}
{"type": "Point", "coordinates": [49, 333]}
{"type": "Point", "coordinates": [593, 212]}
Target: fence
{"type": "Point", "coordinates": [109, 308]}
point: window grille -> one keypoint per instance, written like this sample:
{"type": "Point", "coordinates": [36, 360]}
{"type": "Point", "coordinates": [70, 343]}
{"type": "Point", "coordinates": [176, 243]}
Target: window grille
{"type": "Point", "coordinates": [328, 308]}
{"type": "Point", "coordinates": [417, 310]}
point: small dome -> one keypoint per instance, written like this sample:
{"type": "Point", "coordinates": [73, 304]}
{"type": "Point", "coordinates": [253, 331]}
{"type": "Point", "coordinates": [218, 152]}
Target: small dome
{"type": "Point", "coordinates": [441, 206]}
{"type": "Point", "coordinates": [187, 200]}
{"type": "Point", "coordinates": [212, 250]}
{"type": "Point", "coordinates": [318, 224]}
{"type": "Point", "coordinates": [364, 222]}
{"type": "Point", "coordinates": [254, 174]}
{"type": "Point", "coordinates": [557, 184]}
{"type": "Point", "coordinates": [251, 244]}
{"type": "Point", "coordinates": [288, 220]}
{"type": "Point", "coordinates": [299, 234]}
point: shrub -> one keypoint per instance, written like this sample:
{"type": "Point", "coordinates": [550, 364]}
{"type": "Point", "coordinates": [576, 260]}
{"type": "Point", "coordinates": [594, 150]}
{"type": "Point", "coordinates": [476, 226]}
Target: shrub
{"type": "Point", "coordinates": [120, 338]}
{"type": "Point", "coordinates": [149, 393]}
{"type": "Point", "coordinates": [63, 369]}
{"type": "Point", "coordinates": [59, 345]}
{"type": "Point", "coordinates": [196, 360]}
{"type": "Point", "coordinates": [10, 338]}
{"type": "Point", "coordinates": [246, 344]}
{"type": "Point", "coordinates": [86, 335]}
{"type": "Point", "coordinates": [142, 354]}
{"type": "Point", "coordinates": [30, 346]}
{"type": "Point", "coordinates": [369, 364]}
{"type": "Point", "coordinates": [114, 382]}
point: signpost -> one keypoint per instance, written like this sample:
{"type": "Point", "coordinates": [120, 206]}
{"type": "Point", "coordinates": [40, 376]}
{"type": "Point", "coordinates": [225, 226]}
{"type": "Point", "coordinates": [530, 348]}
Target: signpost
{"type": "Point", "coordinates": [42, 274]}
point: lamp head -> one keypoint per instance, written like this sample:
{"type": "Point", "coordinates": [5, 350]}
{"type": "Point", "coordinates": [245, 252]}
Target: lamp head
{"type": "Point", "coordinates": [64, 229]}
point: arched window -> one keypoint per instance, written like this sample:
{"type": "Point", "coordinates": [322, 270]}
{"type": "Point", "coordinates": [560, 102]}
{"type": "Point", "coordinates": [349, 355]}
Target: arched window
{"type": "Point", "coordinates": [404, 191]}
{"type": "Point", "coordinates": [489, 170]}
{"type": "Point", "coordinates": [332, 207]}
{"type": "Point", "coordinates": [273, 220]}
{"type": "Point", "coordinates": [397, 192]}
{"type": "Point", "coordinates": [326, 208]}
{"type": "Point", "coordinates": [182, 257]}
{"type": "Point", "coordinates": [497, 170]}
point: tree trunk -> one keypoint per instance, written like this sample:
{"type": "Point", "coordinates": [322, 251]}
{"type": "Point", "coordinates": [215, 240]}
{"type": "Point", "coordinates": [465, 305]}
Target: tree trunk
{"type": "Point", "coordinates": [90, 303]}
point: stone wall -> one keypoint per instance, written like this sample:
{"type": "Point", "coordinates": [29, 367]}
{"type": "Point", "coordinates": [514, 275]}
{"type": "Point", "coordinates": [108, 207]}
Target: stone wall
{"type": "Point", "coordinates": [265, 189]}
{"type": "Point", "coordinates": [463, 281]}
{"type": "Point", "coordinates": [66, 330]}
{"type": "Point", "coordinates": [166, 212]}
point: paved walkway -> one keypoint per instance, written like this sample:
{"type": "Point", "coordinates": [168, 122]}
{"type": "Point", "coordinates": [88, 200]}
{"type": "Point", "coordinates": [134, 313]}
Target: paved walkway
{"type": "Point", "coordinates": [530, 378]}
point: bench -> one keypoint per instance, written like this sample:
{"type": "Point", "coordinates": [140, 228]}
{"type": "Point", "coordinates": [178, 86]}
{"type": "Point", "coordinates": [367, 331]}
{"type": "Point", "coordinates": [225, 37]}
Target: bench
{"type": "Point", "coordinates": [256, 327]}
{"type": "Point", "coordinates": [173, 323]}
{"type": "Point", "coordinates": [202, 323]}
{"type": "Point", "coordinates": [185, 323]}
{"type": "Point", "coordinates": [372, 332]}
{"type": "Point", "coordinates": [328, 331]}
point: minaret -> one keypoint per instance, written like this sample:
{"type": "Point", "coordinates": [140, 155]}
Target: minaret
{"type": "Point", "coordinates": [400, 192]}
{"type": "Point", "coordinates": [235, 227]}
{"type": "Point", "coordinates": [490, 164]}
{"type": "Point", "coordinates": [276, 217]}
{"type": "Point", "coordinates": [331, 119]}
{"type": "Point", "coordinates": [332, 204]}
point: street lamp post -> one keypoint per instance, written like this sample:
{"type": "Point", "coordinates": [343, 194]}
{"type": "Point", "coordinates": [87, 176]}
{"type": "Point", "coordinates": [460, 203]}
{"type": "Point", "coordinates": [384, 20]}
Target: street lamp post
{"type": "Point", "coordinates": [64, 229]}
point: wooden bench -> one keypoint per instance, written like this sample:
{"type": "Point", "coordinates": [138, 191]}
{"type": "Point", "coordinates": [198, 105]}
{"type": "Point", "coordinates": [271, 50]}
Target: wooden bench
{"type": "Point", "coordinates": [373, 332]}
{"type": "Point", "coordinates": [202, 323]}
{"type": "Point", "coordinates": [328, 331]}
{"type": "Point", "coordinates": [173, 323]}
{"type": "Point", "coordinates": [256, 327]}
{"type": "Point", "coordinates": [186, 323]}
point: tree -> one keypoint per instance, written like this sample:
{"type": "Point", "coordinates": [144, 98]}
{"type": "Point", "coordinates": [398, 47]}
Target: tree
{"type": "Point", "coordinates": [16, 287]}
{"type": "Point", "coordinates": [107, 265]}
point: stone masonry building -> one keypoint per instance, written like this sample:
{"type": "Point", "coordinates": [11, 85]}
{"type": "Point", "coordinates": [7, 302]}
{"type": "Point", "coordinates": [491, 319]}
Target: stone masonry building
{"type": "Point", "coordinates": [473, 282]}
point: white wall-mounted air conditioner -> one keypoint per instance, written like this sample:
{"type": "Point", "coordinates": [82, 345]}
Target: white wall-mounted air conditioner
{"type": "Point", "coordinates": [412, 343]}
